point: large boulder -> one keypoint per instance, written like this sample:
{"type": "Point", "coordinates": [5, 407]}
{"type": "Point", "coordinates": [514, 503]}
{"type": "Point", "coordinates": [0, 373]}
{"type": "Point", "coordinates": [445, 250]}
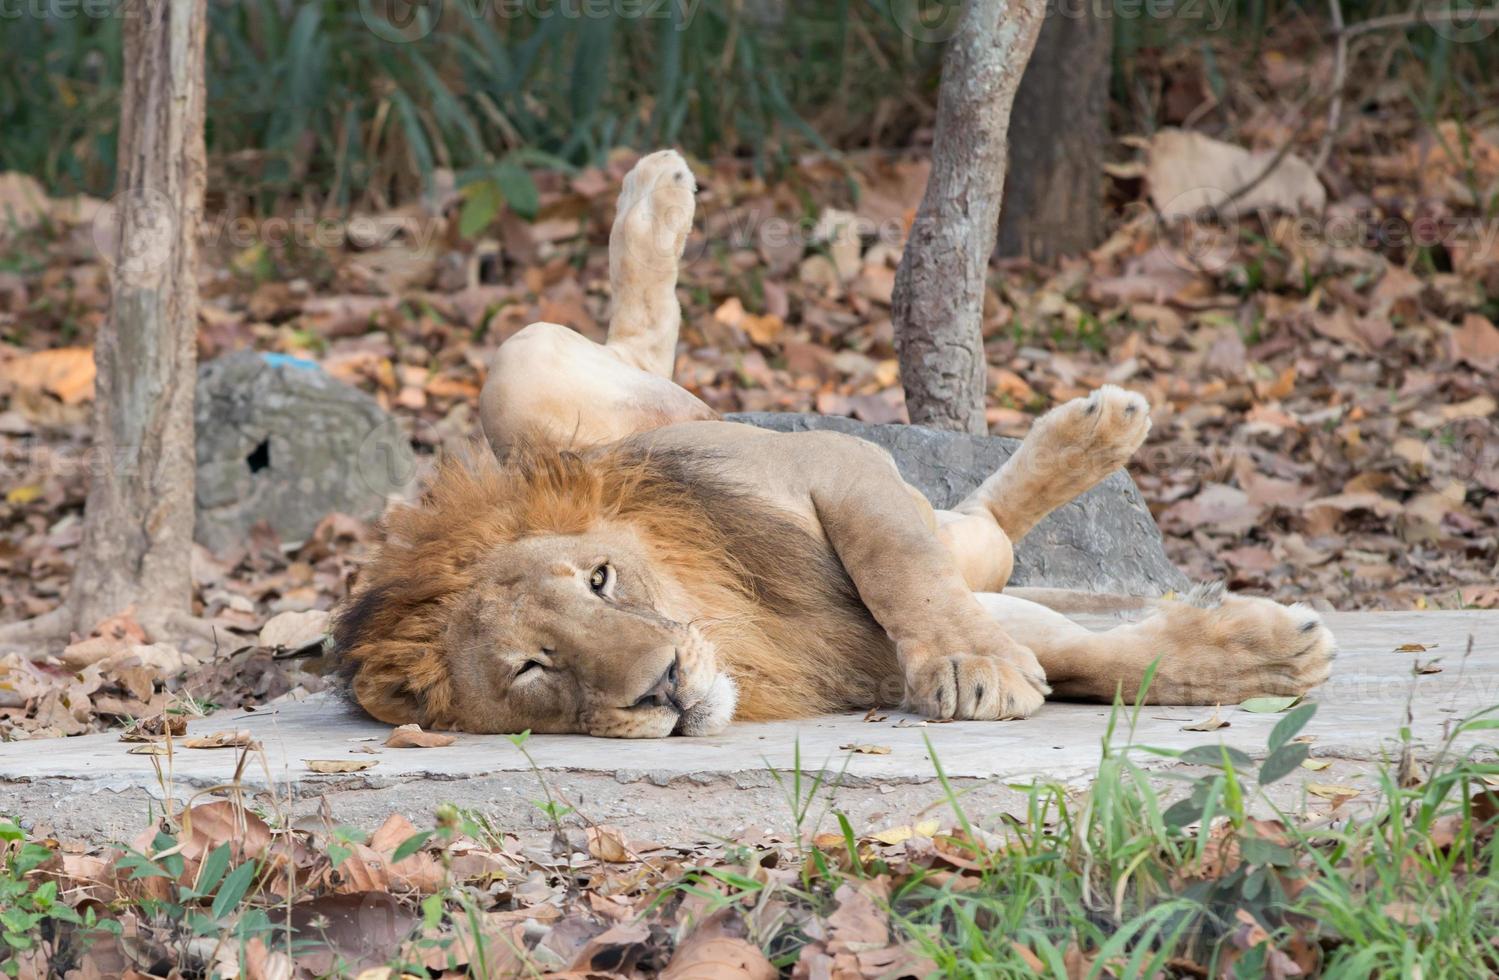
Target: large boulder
{"type": "Point", "coordinates": [281, 441]}
{"type": "Point", "coordinates": [1105, 541]}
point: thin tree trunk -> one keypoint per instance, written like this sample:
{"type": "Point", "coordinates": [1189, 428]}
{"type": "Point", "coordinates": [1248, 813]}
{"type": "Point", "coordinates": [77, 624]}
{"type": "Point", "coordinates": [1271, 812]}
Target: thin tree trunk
{"type": "Point", "coordinates": [939, 289]}
{"type": "Point", "coordinates": [138, 522]}
{"type": "Point", "coordinates": [1054, 187]}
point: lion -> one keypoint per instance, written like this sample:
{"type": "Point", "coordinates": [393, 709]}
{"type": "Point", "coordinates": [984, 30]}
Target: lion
{"type": "Point", "coordinates": [621, 562]}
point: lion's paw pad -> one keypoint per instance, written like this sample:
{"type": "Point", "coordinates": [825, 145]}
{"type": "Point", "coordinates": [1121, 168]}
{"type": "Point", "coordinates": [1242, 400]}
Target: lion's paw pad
{"type": "Point", "coordinates": [1244, 647]}
{"type": "Point", "coordinates": [1106, 427]}
{"type": "Point", "coordinates": [973, 686]}
{"type": "Point", "coordinates": [655, 210]}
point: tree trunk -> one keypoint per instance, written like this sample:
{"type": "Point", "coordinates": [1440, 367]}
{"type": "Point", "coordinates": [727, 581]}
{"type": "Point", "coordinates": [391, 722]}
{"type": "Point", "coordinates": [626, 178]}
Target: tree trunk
{"type": "Point", "coordinates": [939, 289]}
{"type": "Point", "coordinates": [138, 521]}
{"type": "Point", "coordinates": [1053, 191]}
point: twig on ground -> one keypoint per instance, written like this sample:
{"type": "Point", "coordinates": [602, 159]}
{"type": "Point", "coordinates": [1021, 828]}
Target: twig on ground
{"type": "Point", "coordinates": [1339, 79]}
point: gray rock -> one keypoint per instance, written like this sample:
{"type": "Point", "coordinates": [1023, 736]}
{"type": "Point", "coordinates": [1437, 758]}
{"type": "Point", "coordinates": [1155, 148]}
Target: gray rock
{"type": "Point", "coordinates": [281, 441]}
{"type": "Point", "coordinates": [1105, 541]}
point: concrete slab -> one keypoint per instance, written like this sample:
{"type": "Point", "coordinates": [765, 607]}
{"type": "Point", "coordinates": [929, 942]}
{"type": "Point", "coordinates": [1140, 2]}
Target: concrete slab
{"type": "Point", "coordinates": [1361, 711]}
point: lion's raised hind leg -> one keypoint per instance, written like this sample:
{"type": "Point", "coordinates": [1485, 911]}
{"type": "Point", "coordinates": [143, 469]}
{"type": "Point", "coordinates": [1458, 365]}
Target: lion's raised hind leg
{"type": "Point", "coordinates": [551, 384]}
{"type": "Point", "coordinates": [651, 223]}
{"type": "Point", "coordinates": [1212, 648]}
{"type": "Point", "coordinates": [1068, 451]}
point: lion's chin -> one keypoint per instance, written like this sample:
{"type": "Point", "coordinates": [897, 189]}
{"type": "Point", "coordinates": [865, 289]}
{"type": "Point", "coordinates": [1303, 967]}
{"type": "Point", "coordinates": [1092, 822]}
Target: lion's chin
{"type": "Point", "coordinates": [713, 713]}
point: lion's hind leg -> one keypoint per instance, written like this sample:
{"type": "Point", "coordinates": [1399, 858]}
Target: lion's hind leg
{"type": "Point", "coordinates": [1212, 648]}
{"type": "Point", "coordinates": [651, 223]}
{"type": "Point", "coordinates": [1067, 451]}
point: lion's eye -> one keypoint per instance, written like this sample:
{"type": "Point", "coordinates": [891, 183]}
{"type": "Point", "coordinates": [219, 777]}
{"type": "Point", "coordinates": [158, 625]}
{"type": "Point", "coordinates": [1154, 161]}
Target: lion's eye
{"type": "Point", "coordinates": [601, 579]}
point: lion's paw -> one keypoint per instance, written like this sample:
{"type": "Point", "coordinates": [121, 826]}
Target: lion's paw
{"type": "Point", "coordinates": [654, 214]}
{"type": "Point", "coordinates": [1101, 432]}
{"type": "Point", "coordinates": [973, 686]}
{"type": "Point", "coordinates": [1224, 649]}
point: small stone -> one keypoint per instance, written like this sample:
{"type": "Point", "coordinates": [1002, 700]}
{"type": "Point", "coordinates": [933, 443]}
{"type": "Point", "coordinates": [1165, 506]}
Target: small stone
{"type": "Point", "coordinates": [281, 441]}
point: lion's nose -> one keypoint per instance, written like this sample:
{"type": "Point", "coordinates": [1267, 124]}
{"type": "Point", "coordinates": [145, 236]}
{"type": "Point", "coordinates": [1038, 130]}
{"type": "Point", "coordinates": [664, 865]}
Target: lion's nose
{"type": "Point", "coordinates": [664, 691]}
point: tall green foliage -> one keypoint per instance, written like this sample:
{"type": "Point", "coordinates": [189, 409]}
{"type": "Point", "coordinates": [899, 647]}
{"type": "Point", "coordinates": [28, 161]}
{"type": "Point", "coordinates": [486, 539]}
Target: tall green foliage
{"type": "Point", "coordinates": [315, 98]}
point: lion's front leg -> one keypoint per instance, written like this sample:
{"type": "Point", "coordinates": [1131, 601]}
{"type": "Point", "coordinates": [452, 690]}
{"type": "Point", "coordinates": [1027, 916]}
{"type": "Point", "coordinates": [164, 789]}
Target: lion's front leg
{"type": "Point", "coordinates": [957, 662]}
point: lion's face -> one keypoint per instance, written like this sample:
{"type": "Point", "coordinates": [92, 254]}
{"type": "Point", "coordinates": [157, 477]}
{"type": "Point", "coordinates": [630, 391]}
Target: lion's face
{"type": "Point", "coordinates": [573, 633]}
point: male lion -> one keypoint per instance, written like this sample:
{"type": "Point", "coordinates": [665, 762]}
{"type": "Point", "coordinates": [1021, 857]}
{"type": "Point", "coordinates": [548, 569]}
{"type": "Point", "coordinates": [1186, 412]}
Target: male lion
{"type": "Point", "coordinates": [627, 565]}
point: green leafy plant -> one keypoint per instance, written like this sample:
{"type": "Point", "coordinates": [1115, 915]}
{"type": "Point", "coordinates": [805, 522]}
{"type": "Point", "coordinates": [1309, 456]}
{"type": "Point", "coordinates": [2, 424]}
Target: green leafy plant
{"type": "Point", "coordinates": [26, 905]}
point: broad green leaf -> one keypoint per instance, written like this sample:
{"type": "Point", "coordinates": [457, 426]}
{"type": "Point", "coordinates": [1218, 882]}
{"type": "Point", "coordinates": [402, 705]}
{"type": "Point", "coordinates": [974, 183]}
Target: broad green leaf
{"type": "Point", "coordinates": [234, 889]}
{"type": "Point", "coordinates": [213, 869]}
{"type": "Point", "coordinates": [1287, 728]}
{"type": "Point", "coordinates": [482, 201]}
{"type": "Point", "coordinates": [1182, 812]}
{"type": "Point", "coordinates": [1212, 755]}
{"type": "Point", "coordinates": [1282, 762]}
{"type": "Point", "coordinates": [1257, 850]}
{"type": "Point", "coordinates": [410, 846]}
{"type": "Point", "coordinates": [519, 190]}
{"type": "Point", "coordinates": [1269, 706]}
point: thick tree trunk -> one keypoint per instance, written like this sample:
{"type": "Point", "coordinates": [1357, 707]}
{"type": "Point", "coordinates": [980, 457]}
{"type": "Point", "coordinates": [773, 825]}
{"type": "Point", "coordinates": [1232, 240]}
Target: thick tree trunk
{"type": "Point", "coordinates": [138, 521]}
{"type": "Point", "coordinates": [1053, 191]}
{"type": "Point", "coordinates": [939, 289]}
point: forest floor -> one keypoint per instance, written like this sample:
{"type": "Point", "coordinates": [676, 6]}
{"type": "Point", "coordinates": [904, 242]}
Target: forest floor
{"type": "Point", "coordinates": [1320, 357]}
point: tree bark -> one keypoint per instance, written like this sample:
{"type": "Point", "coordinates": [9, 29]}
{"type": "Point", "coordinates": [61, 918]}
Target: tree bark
{"type": "Point", "coordinates": [138, 521]}
{"type": "Point", "coordinates": [938, 301]}
{"type": "Point", "coordinates": [1053, 192]}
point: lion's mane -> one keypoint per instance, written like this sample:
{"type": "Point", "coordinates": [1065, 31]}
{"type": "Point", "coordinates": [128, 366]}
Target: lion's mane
{"type": "Point", "coordinates": [777, 604]}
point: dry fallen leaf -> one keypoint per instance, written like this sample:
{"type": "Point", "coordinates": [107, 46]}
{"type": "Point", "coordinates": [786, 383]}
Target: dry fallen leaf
{"type": "Point", "coordinates": [1315, 765]}
{"type": "Point", "coordinates": [220, 740]}
{"type": "Point", "coordinates": [294, 631]}
{"type": "Point", "coordinates": [866, 749]}
{"type": "Point", "coordinates": [150, 729]}
{"type": "Point", "coordinates": [341, 765]}
{"type": "Point", "coordinates": [609, 844]}
{"type": "Point", "coordinates": [1413, 648]}
{"type": "Point", "coordinates": [1336, 792]}
{"type": "Point", "coordinates": [412, 737]}
{"type": "Point", "coordinates": [899, 835]}
{"type": "Point", "coordinates": [717, 950]}
{"type": "Point", "coordinates": [1209, 724]}
{"type": "Point", "coordinates": [1190, 172]}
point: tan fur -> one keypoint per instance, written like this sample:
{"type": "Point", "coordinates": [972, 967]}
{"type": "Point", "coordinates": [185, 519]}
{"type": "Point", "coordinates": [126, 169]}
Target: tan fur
{"type": "Point", "coordinates": [736, 571]}
{"type": "Point", "coordinates": [750, 575]}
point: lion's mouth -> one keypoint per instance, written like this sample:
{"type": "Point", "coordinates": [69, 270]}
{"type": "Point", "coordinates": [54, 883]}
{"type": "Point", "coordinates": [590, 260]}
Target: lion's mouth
{"type": "Point", "coordinates": [711, 713]}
